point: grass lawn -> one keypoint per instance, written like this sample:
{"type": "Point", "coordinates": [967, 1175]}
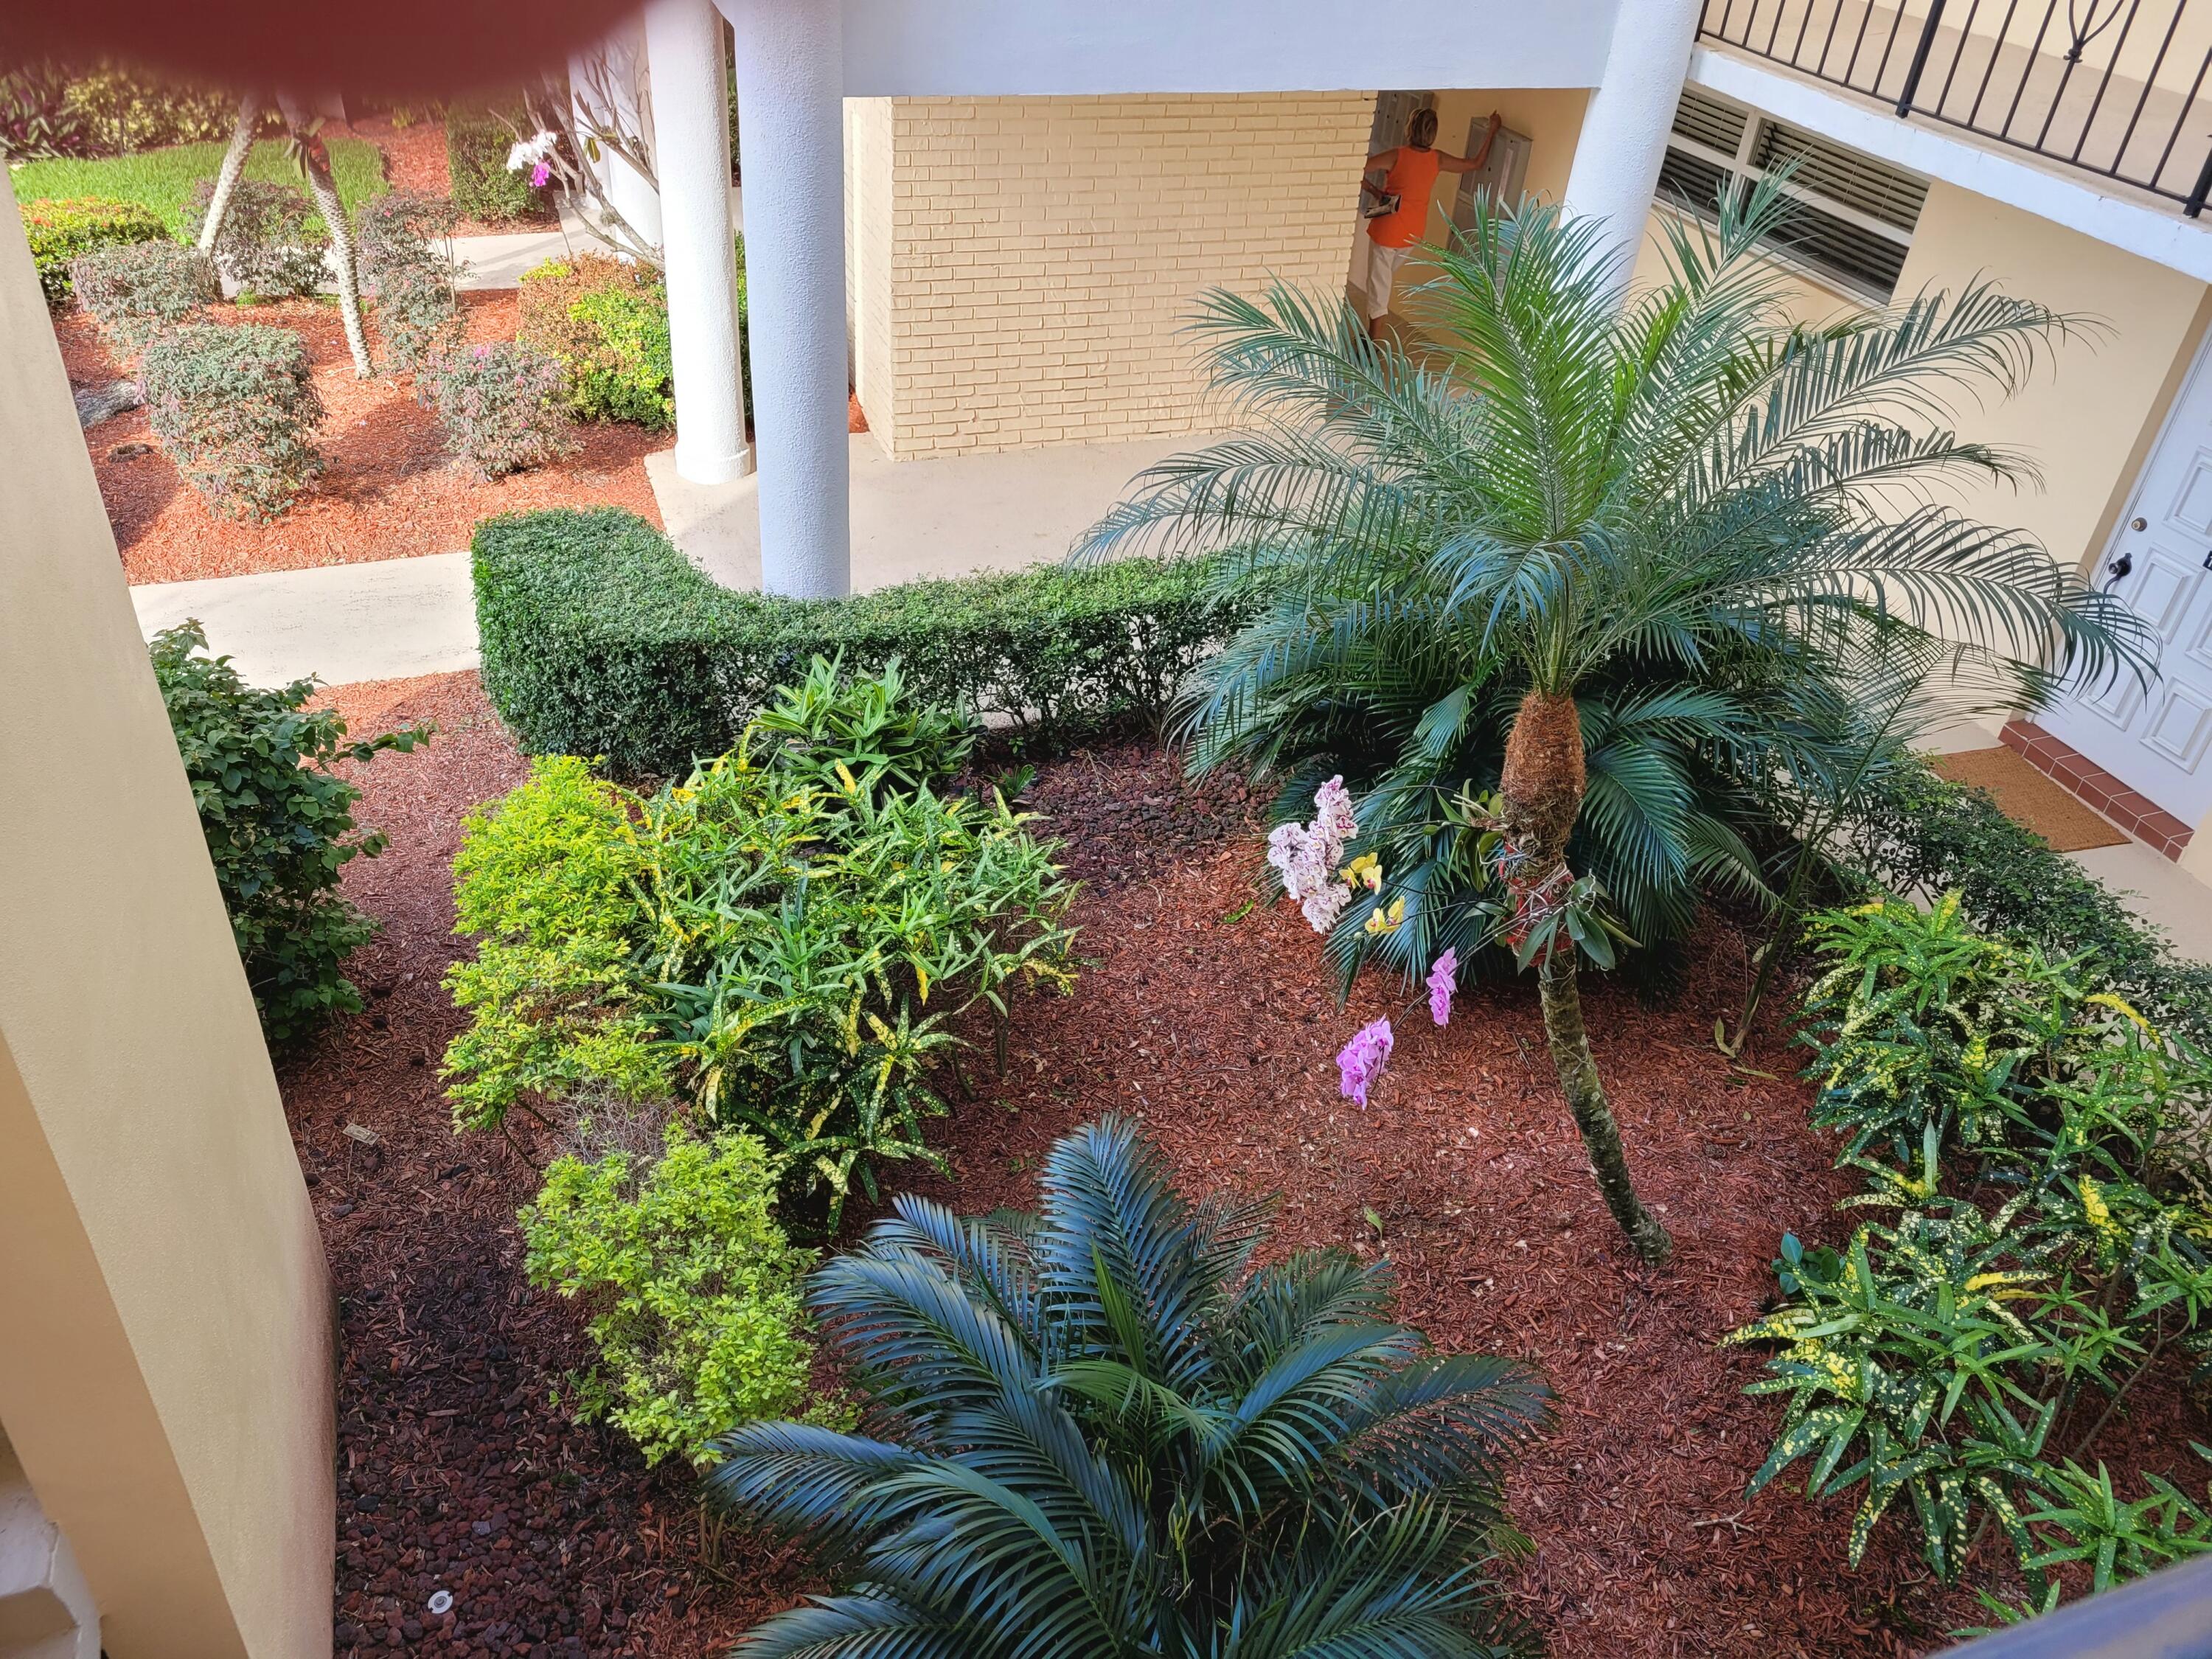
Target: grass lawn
{"type": "Point", "coordinates": [163, 179]}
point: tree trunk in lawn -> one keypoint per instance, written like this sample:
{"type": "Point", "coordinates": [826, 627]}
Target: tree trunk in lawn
{"type": "Point", "coordinates": [323, 188]}
{"type": "Point", "coordinates": [233, 168]}
{"type": "Point", "coordinates": [1543, 784]}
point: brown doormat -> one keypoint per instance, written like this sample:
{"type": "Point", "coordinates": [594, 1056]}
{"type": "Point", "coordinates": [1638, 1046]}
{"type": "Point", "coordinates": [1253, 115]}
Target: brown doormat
{"type": "Point", "coordinates": [2028, 798]}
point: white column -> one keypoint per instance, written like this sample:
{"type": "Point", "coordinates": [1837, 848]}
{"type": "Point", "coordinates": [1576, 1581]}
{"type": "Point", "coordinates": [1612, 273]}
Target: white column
{"type": "Point", "coordinates": [1624, 136]}
{"type": "Point", "coordinates": [791, 131]}
{"type": "Point", "coordinates": [609, 86]}
{"type": "Point", "coordinates": [691, 131]}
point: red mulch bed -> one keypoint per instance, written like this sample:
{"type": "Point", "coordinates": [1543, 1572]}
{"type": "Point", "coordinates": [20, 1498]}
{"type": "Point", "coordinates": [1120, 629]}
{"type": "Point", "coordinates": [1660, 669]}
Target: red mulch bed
{"type": "Point", "coordinates": [414, 159]}
{"type": "Point", "coordinates": [391, 491]}
{"type": "Point", "coordinates": [457, 1472]}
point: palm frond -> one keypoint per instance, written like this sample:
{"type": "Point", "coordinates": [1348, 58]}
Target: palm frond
{"type": "Point", "coordinates": [1322, 1485]}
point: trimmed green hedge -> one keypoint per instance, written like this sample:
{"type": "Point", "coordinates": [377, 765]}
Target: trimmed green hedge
{"type": "Point", "coordinates": [598, 638]}
{"type": "Point", "coordinates": [1922, 834]}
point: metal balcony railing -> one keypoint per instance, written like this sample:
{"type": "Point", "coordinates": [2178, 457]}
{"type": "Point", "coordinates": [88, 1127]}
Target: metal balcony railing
{"type": "Point", "coordinates": [2116, 88]}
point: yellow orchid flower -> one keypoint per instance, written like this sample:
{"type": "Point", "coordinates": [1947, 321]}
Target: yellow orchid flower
{"type": "Point", "coordinates": [1365, 871]}
{"type": "Point", "coordinates": [1382, 920]}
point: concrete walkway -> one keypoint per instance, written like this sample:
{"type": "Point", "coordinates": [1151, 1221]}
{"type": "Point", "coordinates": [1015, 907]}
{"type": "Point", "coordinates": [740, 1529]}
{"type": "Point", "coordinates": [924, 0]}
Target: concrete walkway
{"type": "Point", "coordinates": [396, 618]}
{"type": "Point", "coordinates": [386, 620]}
{"type": "Point", "coordinates": [914, 518]}
{"type": "Point", "coordinates": [499, 261]}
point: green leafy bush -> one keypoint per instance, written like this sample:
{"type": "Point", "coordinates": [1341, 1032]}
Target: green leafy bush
{"type": "Point", "coordinates": [279, 825]}
{"type": "Point", "coordinates": [1098, 1430]}
{"type": "Point", "coordinates": [693, 1290]}
{"type": "Point", "coordinates": [605, 320]}
{"type": "Point", "coordinates": [499, 403]}
{"type": "Point", "coordinates": [781, 940]}
{"type": "Point", "coordinates": [600, 638]}
{"type": "Point", "coordinates": [236, 408]}
{"type": "Point", "coordinates": [1910, 1373]}
{"type": "Point", "coordinates": [1918, 1020]}
{"type": "Point", "coordinates": [827, 733]}
{"type": "Point", "coordinates": [1933, 1359]}
{"type": "Point", "coordinates": [62, 232]}
{"type": "Point", "coordinates": [403, 238]}
{"type": "Point", "coordinates": [138, 289]}
{"type": "Point", "coordinates": [477, 145]}
{"type": "Point", "coordinates": [1919, 833]}
{"type": "Point", "coordinates": [271, 244]}
{"type": "Point", "coordinates": [52, 109]}
{"type": "Point", "coordinates": [403, 228]}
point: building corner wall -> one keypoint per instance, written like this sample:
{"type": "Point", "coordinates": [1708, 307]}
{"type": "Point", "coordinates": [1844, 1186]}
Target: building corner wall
{"type": "Point", "coordinates": [166, 1340]}
{"type": "Point", "coordinates": [871, 202]}
{"type": "Point", "coordinates": [2086, 419]}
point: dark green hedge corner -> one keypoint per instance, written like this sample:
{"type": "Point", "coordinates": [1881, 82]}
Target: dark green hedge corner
{"type": "Point", "coordinates": [600, 639]}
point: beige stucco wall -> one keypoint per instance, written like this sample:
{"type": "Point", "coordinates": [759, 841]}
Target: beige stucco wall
{"type": "Point", "coordinates": [868, 209]}
{"type": "Point", "coordinates": [1044, 253]}
{"type": "Point", "coordinates": [165, 1321]}
{"type": "Point", "coordinates": [2090, 420]}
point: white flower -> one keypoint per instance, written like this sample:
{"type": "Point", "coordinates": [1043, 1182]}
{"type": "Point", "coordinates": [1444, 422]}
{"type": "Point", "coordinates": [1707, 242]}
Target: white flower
{"type": "Point", "coordinates": [530, 152]}
{"type": "Point", "coordinates": [1321, 909]}
{"type": "Point", "coordinates": [1306, 856]}
{"type": "Point", "coordinates": [1334, 816]}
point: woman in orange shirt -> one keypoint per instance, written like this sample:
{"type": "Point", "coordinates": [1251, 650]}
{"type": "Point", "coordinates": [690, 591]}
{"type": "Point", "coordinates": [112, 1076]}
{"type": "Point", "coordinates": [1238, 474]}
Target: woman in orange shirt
{"type": "Point", "coordinates": [1411, 179]}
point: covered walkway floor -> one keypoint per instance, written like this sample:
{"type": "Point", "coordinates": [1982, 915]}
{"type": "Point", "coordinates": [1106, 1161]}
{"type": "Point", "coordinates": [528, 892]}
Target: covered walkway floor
{"type": "Point", "coordinates": [916, 518]}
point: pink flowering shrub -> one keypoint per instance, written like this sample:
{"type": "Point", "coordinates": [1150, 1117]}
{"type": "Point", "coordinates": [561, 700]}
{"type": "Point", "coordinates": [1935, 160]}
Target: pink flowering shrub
{"type": "Point", "coordinates": [235, 407]}
{"type": "Point", "coordinates": [500, 405]}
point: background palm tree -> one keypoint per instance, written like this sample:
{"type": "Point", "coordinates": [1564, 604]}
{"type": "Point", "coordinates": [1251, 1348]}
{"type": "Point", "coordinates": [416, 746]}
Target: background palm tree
{"type": "Point", "coordinates": [1640, 569]}
{"type": "Point", "coordinates": [1095, 1431]}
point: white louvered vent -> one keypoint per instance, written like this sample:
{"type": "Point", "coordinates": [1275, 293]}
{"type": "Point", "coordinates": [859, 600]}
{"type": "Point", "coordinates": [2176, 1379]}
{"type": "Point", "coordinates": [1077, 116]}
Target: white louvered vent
{"type": "Point", "coordinates": [1852, 216]}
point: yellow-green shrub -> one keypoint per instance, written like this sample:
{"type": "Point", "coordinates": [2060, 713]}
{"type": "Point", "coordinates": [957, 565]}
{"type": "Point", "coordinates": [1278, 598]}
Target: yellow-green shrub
{"type": "Point", "coordinates": [605, 321]}
{"type": "Point", "coordinates": [549, 876]}
{"type": "Point", "coordinates": [694, 1294]}
{"type": "Point", "coordinates": [779, 941]}
{"type": "Point", "coordinates": [60, 231]}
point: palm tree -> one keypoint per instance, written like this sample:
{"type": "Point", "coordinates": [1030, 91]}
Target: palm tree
{"type": "Point", "coordinates": [1633, 568]}
{"type": "Point", "coordinates": [235, 156]}
{"type": "Point", "coordinates": [1096, 1430]}
{"type": "Point", "coordinates": [313, 160]}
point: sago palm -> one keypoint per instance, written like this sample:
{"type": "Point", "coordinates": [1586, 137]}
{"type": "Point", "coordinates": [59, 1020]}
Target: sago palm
{"type": "Point", "coordinates": [1097, 1433]}
{"type": "Point", "coordinates": [1640, 568]}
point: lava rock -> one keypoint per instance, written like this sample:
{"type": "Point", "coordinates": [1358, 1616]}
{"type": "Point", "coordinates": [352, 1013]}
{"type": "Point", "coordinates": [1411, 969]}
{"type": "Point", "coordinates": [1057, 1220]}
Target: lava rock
{"type": "Point", "coordinates": [96, 403]}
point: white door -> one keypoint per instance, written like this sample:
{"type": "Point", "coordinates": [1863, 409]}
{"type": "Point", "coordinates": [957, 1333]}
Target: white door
{"type": "Point", "coordinates": [2158, 739]}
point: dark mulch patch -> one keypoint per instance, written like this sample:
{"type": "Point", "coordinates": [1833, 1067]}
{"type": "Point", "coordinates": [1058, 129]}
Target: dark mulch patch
{"type": "Point", "coordinates": [390, 490]}
{"type": "Point", "coordinates": [455, 1470]}
{"type": "Point", "coordinates": [1222, 1035]}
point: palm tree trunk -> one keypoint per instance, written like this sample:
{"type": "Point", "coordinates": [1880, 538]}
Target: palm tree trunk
{"type": "Point", "coordinates": [323, 188]}
{"type": "Point", "coordinates": [233, 168]}
{"type": "Point", "coordinates": [1561, 994]}
{"type": "Point", "coordinates": [1542, 784]}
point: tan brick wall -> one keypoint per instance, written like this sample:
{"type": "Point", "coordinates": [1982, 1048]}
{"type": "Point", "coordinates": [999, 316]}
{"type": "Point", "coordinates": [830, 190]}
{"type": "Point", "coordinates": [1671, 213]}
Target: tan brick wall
{"type": "Point", "coordinates": [1045, 252]}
